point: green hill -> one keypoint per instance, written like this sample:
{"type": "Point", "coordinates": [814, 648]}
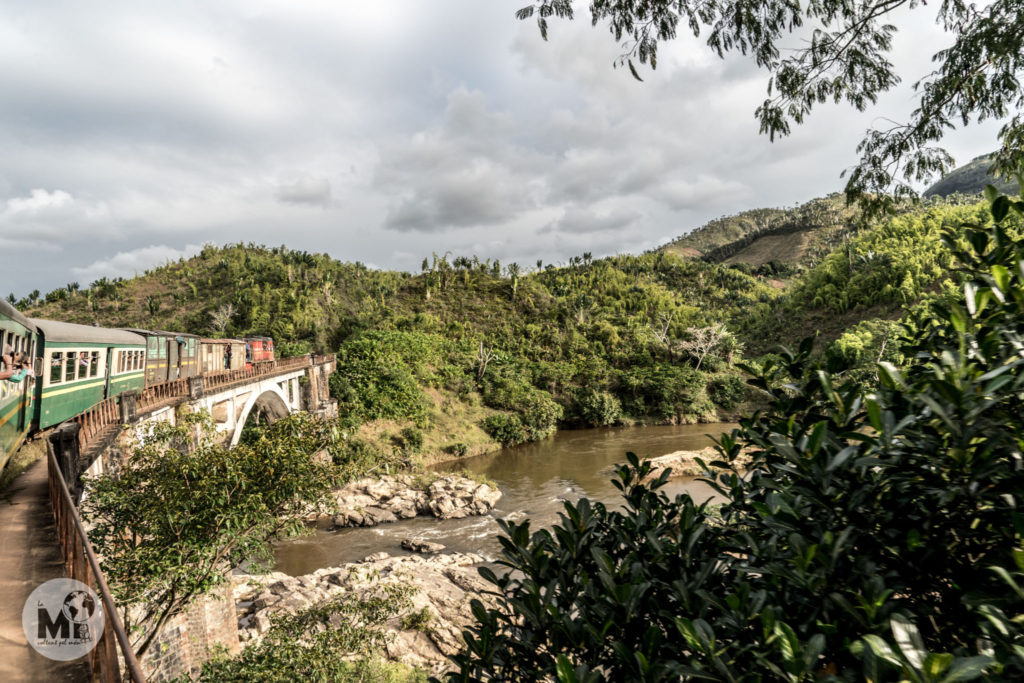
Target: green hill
{"type": "Point", "coordinates": [466, 353]}
{"type": "Point", "coordinates": [970, 179]}
{"type": "Point", "coordinates": [794, 237]}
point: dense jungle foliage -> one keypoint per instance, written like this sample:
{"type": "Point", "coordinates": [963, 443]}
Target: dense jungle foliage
{"type": "Point", "coordinates": [875, 533]}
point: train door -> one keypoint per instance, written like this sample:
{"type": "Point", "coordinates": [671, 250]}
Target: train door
{"type": "Point", "coordinates": [173, 358]}
{"type": "Point", "coordinates": [109, 371]}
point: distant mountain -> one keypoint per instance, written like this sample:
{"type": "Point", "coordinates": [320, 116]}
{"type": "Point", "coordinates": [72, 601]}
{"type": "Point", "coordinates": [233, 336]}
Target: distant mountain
{"type": "Point", "coordinates": [797, 236]}
{"type": "Point", "coordinates": [970, 179]}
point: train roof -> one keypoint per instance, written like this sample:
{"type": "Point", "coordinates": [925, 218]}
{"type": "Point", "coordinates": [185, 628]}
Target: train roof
{"type": "Point", "coordinates": [176, 334]}
{"type": "Point", "coordinates": [159, 333]}
{"type": "Point", "coordinates": [207, 340]}
{"type": "Point", "coordinates": [15, 315]}
{"type": "Point", "coordinates": [55, 331]}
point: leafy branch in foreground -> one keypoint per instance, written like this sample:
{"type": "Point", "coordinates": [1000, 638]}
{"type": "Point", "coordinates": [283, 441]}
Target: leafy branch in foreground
{"type": "Point", "coordinates": [177, 515]}
{"type": "Point", "coordinates": [843, 56]}
{"type": "Point", "coordinates": [875, 533]}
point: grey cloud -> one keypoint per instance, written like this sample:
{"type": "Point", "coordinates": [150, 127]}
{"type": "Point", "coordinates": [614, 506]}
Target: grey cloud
{"type": "Point", "coordinates": [582, 220]}
{"type": "Point", "coordinates": [133, 130]}
{"type": "Point", "coordinates": [312, 191]}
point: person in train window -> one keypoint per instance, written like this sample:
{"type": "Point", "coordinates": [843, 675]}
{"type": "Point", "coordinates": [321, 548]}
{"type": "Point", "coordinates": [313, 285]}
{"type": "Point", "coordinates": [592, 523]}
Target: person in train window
{"type": "Point", "coordinates": [10, 367]}
{"type": "Point", "coordinates": [22, 367]}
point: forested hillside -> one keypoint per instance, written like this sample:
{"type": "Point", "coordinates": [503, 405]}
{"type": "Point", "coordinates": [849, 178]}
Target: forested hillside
{"type": "Point", "coordinates": [467, 353]}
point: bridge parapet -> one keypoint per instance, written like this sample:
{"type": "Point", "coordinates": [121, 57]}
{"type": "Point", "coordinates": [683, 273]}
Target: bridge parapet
{"type": "Point", "coordinates": [98, 425]}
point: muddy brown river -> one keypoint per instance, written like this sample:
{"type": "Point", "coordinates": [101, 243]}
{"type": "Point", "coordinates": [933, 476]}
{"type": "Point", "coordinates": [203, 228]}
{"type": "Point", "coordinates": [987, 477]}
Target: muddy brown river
{"type": "Point", "coordinates": [534, 479]}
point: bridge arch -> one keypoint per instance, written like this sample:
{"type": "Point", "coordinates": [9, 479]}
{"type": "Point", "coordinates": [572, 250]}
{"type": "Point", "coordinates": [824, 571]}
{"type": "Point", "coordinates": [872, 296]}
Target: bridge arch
{"type": "Point", "coordinates": [272, 402]}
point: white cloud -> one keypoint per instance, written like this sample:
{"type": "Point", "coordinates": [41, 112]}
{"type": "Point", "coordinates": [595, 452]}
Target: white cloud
{"type": "Point", "coordinates": [135, 261]}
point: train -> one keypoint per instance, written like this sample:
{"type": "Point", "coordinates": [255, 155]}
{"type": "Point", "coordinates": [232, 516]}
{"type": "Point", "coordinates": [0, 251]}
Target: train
{"type": "Point", "coordinates": [51, 371]}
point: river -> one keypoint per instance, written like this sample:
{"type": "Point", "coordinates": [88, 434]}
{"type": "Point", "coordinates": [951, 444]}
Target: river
{"type": "Point", "coordinates": [534, 479]}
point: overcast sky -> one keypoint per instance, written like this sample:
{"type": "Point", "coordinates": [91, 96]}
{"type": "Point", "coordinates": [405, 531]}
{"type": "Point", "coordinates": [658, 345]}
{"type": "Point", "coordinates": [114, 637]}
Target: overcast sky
{"type": "Point", "coordinates": [133, 132]}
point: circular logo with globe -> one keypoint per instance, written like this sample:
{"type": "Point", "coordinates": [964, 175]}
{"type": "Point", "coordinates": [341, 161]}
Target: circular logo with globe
{"type": "Point", "coordinates": [63, 619]}
{"type": "Point", "coordinates": [79, 606]}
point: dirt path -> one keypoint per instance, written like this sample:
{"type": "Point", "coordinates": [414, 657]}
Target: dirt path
{"type": "Point", "coordinates": [29, 555]}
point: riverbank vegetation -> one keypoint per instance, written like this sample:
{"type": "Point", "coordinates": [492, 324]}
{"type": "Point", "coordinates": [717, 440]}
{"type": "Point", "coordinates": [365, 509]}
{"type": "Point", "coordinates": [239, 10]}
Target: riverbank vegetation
{"type": "Point", "coordinates": [876, 534]}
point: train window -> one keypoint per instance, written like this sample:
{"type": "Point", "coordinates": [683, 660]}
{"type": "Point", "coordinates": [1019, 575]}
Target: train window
{"type": "Point", "coordinates": [71, 366]}
{"type": "Point", "coordinates": [136, 360]}
{"type": "Point", "coordinates": [94, 363]}
{"type": "Point", "coordinates": [56, 367]}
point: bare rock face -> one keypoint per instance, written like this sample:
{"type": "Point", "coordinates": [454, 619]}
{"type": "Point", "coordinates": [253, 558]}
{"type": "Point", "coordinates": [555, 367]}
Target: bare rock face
{"type": "Point", "coordinates": [442, 587]}
{"type": "Point", "coordinates": [368, 502]}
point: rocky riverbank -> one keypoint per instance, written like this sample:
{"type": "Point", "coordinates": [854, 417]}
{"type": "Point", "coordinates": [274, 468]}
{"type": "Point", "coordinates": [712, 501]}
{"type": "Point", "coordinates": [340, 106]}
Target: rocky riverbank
{"type": "Point", "coordinates": [442, 587]}
{"type": "Point", "coordinates": [368, 502]}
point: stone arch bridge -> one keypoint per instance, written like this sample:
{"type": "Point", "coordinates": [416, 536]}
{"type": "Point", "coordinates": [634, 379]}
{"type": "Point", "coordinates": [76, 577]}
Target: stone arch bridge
{"type": "Point", "coordinates": [93, 441]}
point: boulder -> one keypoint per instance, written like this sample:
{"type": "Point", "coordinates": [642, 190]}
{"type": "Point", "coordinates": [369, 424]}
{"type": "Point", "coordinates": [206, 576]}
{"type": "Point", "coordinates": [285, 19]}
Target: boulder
{"type": "Point", "coordinates": [418, 546]}
{"type": "Point", "coordinates": [442, 585]}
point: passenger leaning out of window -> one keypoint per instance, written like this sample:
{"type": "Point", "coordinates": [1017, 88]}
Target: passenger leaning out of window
{"type": "Point", "coordinates": [17, 368]}
{"type": "Point", "coordinates": [7, 369]}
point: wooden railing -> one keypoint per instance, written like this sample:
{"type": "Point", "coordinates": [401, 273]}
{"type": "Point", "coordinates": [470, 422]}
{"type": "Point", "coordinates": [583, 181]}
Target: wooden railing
{"type": "Point", "coordinates": [80, 563]}
{"type": "Point", "coordinates": [157, 395]}
{"type": "Point", "coordinates": [95, 420]}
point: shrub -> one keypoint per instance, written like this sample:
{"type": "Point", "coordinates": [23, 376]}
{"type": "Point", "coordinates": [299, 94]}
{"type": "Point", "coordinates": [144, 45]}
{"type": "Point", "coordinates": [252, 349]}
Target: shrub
{"type": "Point", "coordinates": [457, 449]}
{"type": "Point", "coordinates": [418, 620]}
{"type": "Point", "coordinates": [412, 439]}
{"type": "Point", "coordinates": [599, 408]}
{"type": "Point", "coordinates": [540, 415]}
{"type": "Point", "coordinates": [506, 429]}
{"type": "Point", "coordinates": [728, 391]}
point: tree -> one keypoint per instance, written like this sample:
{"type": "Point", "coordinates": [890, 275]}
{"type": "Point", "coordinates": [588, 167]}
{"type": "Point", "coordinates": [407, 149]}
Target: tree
{"type": "Point", "coordinates": [701, 341]}
{"type": "Point", "coordinates": [514, 272]}
{"type": "Point", "coordinates": [844, 57]}
{"type": "Point", "coordinates": [176, 517]}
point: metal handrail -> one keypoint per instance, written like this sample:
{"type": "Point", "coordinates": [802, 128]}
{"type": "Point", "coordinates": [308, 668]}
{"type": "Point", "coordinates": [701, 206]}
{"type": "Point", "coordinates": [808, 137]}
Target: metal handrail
{"type": "Point", "coordinates": [81, 564]}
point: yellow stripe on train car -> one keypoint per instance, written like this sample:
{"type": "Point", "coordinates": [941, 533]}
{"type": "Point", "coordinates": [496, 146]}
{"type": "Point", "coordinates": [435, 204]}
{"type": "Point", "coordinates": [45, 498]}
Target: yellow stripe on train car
{"type": "Point", "coordinates": [126, 376]}
{"type": "Point", "coordinates": [13, 413]}
{"type": "Point", "coordinates": [74, 387]}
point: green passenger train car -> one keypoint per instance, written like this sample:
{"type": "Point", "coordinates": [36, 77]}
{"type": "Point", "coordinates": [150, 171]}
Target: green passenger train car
{"type": "Point", "coordinates": [17, 334]}
{"type": "Point", "coordinates": [169, 355]}
{"type": "Point", "coordinates": [83, 365]}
